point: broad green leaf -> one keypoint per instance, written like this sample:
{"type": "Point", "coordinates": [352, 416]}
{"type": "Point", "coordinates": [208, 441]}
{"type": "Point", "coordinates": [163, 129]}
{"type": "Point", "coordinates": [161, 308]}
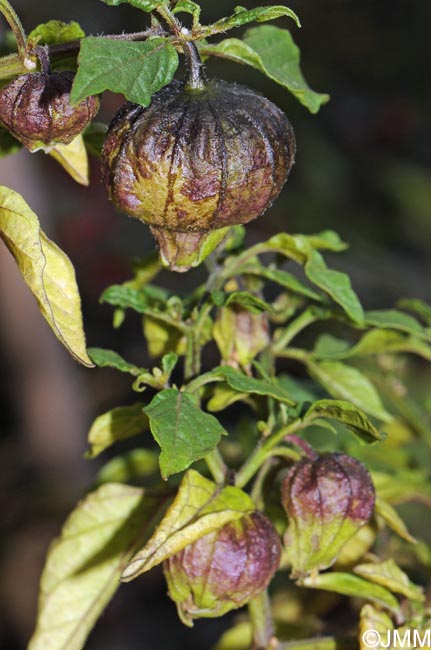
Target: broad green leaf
{"type": "Point", "coordinates": [184, 432]}
{"type": "Point", "coordinates": [126, 298]}
{"type": "Point", "coordinates": [144, 5]}
{"type": "Point", "coordinates": [85, 563]}
{"type": "Point", "coordinates": [376, 341]}
{"type": "Point", "coordinates": [118, 424]}
{"type": "Point", "coordinates": [336, 284]}
{"type": "Point", "coordinates": [300, 247]}
{"type": "Point", "coordinates": [397, 320]}
{"type": "Point", "coordinates": [55, 31]}
{"type": "Point", "coordinates": [47, 271]}
{"type": "Point", "coordinates": [249, 302]}
{"type": "Point", "coordinates": [109, 359]}
{"type": "Point", "coordinates": [373, 621]}
{"type": "Point", "coordinates": [330, 347]}
{"type": "Point", "coordinates": [350, 384]}
{"type": "Point", "coordinates": [8, 144]}
{"type": "Point", "coordinates": [347, 413]}
{"type": "Point", "coordinates": [199, 508]}
{"type": "Point", "coordinates": [243, 16]}
{"type": "Point", "coordinates": [284, 279]}
{"type": "Point", "coordinates": [392, 519]}
{"type": "Point", "coordinates": [350, 585]}
{"type": "Point", "coordinates": [137, 69]}
{"type": "Point", "coordinates": [136, 464]}
{"type": "Point", "coordinates": [388, 574]}
{"type": "Point", "coordinates": [418, 307]}
{"type": "Point", "coordinates": [299, 391]}
{"type": "Point", "coordinates": [245, 384]}
{"type": "Point", "coordinates": [273, 52]}
{"type": "Point", "coordinates": [74, 159]}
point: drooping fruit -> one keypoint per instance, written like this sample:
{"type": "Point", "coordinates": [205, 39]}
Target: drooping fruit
{"type": "Point", "coordinates": [224, 569]}
{"type": "Point", "coordinates": [36, 110]}
{"type": "Point", "coordinates": [327, 501]}
{"type": "Point", "coordinates": [202, 157]}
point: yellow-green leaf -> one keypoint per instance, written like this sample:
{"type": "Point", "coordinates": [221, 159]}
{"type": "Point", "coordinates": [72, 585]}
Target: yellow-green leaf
{"type": "Point", "coordinates": [199, 508]}
{"type": "Point", "coordinates": [118, 424]}
{"type": "Point", "coordinates": [374, 626]}
{"type": "Point", "coordinates": [73, 158]}
{"type": "Point", "coordinates": [389, 575]}
{"type": "Point", "coordinates": [47, 271]}
{"type": "Point", "coordinates": [392, 519]}
{"type": "Point", "coordinates": [84, 565]}
{"type": "Point", "coordinates": [351, 585]}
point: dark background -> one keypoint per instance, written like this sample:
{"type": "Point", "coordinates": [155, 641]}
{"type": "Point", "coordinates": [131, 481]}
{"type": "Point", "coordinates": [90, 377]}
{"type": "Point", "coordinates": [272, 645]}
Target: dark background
{"type": "Point", "coordinates": [363, 169]}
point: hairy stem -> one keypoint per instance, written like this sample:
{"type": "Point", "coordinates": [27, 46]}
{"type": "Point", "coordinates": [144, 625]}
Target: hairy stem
{"type": "Point", "coordinates": [297, 325]}
{"type": "Point", "coordinates": [16, 26]}
{"type": "Point", "coordinates": [261, 621]}
{"type": "Point", "coordinates": [260, 454]}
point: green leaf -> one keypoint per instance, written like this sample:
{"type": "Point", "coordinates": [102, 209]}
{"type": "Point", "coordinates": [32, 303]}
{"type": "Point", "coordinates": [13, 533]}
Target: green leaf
{"type": "Point", "coordinates": [199, 508]}
{"type": "Point", "coordinates": [184, 432]}
{"type": "Point", "coordinates": [136, 464]}
{"type": "Point", "coordinates": [388, 574]}
{"type": "Point", "coordinates": [347, 413]}
{"type": "Point", "coordinates": [373, 621]}
{"type": "Point", "coordinates": [284, 279]}
{"type": "Point", "coordinates": [273, 52]}
{"type": "Point", "coordinates": [245, 384]}
{"type": "Point", "coordinates": [376, 341]}
{"type": "Point", "coordinates": [350, 585]}
{"type": "Point", "coordinates": [55, 31]}
{"type": "Point", "coordinates": [186, 6]}
{"type": "Point", "coordinates": [47, 270]}
{"type": "Point", "coordinates": [336, 284]}
{"type": "Point", "coordinates": [417, 306]}
{"type": "Point", "coordinates": [350, 384]}
{"type": "Point", "coordinates": [144, 5]}
{"type": "Point", "coordinates": [243, 16]}
{"type": "Point", "coordinates": [118, 424]}
{"type": "Point", "coordinates": [8, 144]}
{"type": "Point", "coordinates": [110, 359]}
{"type": "Point", "coordinates": [392, 519]}
{"type": "Point", "coordinates": [223, 396]}
{"type": "Point", "coordinates": [249, 302]}
{"type": "Point", "coordinates": [84, 565]}
{"type": "Point", "coordinates": [300, 247]}
{"type": "Point", "coordinates": [125, 297]}
{"type": "Point", "coordinates": [394, 319]}
{"type": "Point", "coordinates": [137, 69]}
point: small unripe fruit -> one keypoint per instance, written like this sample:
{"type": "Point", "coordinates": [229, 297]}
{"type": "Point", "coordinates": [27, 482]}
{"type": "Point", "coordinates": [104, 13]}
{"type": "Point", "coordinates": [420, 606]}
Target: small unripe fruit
{"type": "Point", "coordinates": [327, 501]}
{"type": "Point", "coordinates": [195, 161]}
{"type": "Point", "coordinates": [36, 110]}
{"type": "Point", "coordinates": [224, 569]}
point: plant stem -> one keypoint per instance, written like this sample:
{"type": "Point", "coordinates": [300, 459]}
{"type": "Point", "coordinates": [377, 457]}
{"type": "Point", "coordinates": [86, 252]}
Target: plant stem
{"type": "Point", "coordinates": [196, 78]}
{"type": "Point", "coordinates": [253, 463]}
{"type": "Point", "coordinates": [216, 466]}
{"type": "Point", "coordinates": [297, 325]}
{"type": "Point", "coordinates": [261, 621]}
{"type": "Point", "coordinates": [16, 26]}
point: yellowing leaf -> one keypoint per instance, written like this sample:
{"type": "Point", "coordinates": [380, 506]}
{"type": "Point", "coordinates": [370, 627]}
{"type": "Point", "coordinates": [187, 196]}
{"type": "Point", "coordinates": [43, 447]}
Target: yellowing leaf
{"type": "Point", "coordinates": [375, 626]}
{"type": "Point", "coordinates": [118, 424]}
{"type": "Point", "coordinates": [389, 575]}
{"type": "Point", "coordinates": [47, 271]}
{"type": "Point", "coordinates": [199, 508]}
{"type": "Point", "coordinates": [73, 158]}
{"type": "Point", "coordinates": [84, 565]}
